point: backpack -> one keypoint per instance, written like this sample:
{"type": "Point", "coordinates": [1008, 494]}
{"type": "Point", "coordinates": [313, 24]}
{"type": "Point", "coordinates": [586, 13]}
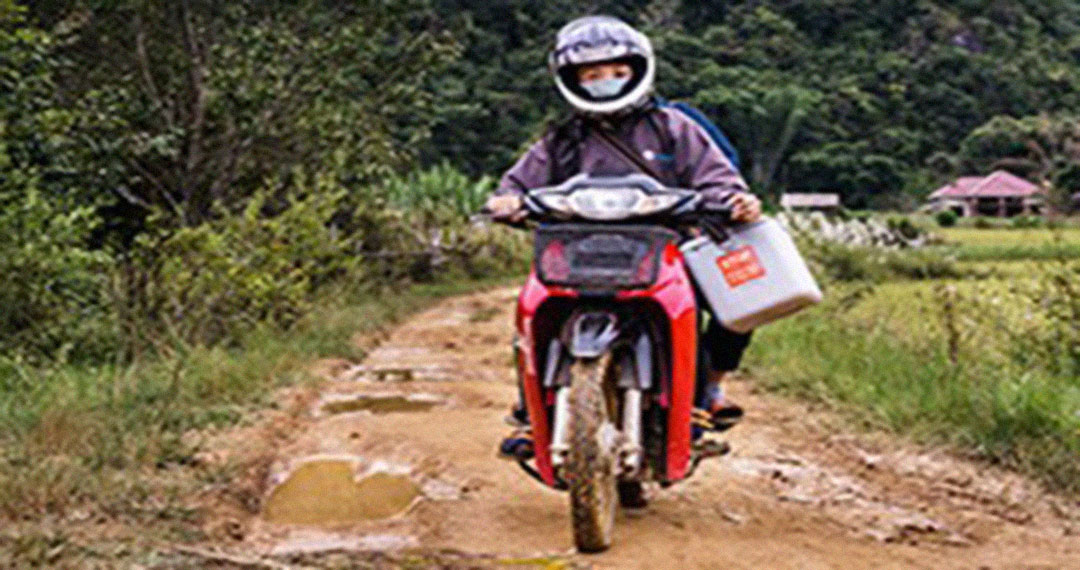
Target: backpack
{"type": "Point", "coordinates": [713, 131]}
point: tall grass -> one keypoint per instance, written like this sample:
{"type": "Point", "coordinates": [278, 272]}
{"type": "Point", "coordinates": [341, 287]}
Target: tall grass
{"type": "Point", "coordinates": [440, 188]}
{"type": "Point", "coordinates": [915, 359]}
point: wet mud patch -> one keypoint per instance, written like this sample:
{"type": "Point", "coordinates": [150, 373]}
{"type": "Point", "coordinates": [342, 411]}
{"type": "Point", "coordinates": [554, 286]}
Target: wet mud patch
{"type": "Point", "coordinates": [329, 492]}
{"type": "Point", "coordinates": [846, 499]}
{"type": "Point", "coordinates": [379, 404]}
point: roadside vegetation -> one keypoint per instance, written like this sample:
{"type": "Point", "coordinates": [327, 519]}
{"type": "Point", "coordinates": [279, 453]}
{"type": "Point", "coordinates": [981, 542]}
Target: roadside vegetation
{"type": "Point", "coordinates": [180, 241]}
{"type": "Point", "coordinates": [984, 359]}
{"type": "Point", "coordinates": [115, 446]}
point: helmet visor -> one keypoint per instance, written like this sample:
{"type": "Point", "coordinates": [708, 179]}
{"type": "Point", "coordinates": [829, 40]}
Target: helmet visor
{"type": "Point", "coordinates": [569, 74]}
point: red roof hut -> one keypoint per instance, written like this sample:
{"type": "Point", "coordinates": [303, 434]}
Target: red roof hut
{"type": "Point", "coordinates": [1000, 194]}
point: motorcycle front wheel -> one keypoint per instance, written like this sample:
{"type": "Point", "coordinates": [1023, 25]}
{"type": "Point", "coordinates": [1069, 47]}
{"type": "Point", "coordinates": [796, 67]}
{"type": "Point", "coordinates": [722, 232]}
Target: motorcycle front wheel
{"type": "Point", "coordinates": [590, 466]}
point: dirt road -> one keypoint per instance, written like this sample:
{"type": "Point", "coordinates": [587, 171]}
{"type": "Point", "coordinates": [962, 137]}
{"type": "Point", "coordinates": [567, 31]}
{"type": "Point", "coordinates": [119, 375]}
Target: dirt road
{"type": "Point", "coordinates": [799, 490]}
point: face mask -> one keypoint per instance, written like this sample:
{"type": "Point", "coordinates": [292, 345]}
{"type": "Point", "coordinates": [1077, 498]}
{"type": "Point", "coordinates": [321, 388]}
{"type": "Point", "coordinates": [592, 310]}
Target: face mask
{"type": "Point", "coordinates": [602, 88]}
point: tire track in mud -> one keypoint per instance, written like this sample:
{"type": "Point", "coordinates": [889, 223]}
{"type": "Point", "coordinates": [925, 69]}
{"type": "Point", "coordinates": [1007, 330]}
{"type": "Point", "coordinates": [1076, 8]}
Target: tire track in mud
{"type": "Point", "coordinates": [799, 489]}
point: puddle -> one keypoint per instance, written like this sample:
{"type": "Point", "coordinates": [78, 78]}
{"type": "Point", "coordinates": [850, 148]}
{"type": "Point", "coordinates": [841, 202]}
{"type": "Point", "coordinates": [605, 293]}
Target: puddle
{"type": "Point", "coordinates": [378, 404]}
{"type": "Point", "coordinates": [327, 492]}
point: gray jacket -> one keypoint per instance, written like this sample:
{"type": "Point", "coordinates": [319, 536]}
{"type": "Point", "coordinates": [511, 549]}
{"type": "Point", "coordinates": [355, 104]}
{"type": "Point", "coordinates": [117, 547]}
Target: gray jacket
{"type": "Point", "coordinates": [691, 159]}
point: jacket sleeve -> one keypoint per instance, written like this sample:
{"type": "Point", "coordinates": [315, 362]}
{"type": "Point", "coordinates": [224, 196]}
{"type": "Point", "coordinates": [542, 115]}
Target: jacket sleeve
{"type": "Point", "coordinates": [530, 171]}
{"type": "Point", "coordinates": [699, 161]}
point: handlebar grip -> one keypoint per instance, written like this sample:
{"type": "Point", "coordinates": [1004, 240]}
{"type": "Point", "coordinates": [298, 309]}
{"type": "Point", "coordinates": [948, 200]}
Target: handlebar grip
{"type": "Point", "coordinates": [722, 216]}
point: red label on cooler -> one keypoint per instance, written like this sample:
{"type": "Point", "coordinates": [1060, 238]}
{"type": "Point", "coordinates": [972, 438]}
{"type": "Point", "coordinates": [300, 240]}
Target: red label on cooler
{"type": "Point", "coordinates": [740, 266]}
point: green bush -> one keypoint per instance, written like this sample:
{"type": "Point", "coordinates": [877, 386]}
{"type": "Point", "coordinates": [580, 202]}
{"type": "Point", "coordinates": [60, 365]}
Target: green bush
{"type": "Point", "coordinates": [52, 285]}
{"type": "Point", "coordinates": [214, 282]}
{"type": "Point", "coordinates": [51, 282]}
{"type": "Point", "coordinates": [1027, 222]}
{"type": "Point", "coordinates": [946, 218]}
{"type": "Point", "coordinates": [904, 226]}
{"type": "Point", "coordinates": [832, 261]}
{"type": "Point", "coordinates": [440, 189]}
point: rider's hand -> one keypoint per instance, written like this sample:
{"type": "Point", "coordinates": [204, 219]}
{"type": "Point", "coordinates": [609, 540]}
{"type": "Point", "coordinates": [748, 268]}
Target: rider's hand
{"type": "Point", "coordinates": [506, 207]}
{"type": "Point", "coordinates": [745, 207]}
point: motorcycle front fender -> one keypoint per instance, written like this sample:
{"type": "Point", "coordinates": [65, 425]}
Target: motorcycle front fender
{"type": "Point", "coordinates": [589, 334]}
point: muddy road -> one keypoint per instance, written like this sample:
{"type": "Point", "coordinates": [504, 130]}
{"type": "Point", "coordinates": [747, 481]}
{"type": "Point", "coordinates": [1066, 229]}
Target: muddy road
{"type": "Point", "coordinates": [398, 452]}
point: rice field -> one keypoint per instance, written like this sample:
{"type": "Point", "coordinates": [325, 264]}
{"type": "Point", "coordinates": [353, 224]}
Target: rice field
{"type": "Point", "coordinates": [971, 244]}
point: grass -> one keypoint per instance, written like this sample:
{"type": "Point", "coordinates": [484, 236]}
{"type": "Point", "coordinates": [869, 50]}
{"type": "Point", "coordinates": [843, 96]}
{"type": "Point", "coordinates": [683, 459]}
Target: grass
{"type": "Point", "coordinates": [998, 237]}
{"type": "Point", "coordinates": [884, 355]}
{"type": "Point", "coordinates": [113, 442]}
{"type": "Point", "coordinates": [1019, 252]}
{"type": "Point", "coordinates": [979, 245]}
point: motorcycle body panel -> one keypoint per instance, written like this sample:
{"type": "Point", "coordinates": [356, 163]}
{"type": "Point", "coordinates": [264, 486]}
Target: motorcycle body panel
{"type": "Point", "coordinates": [670, 301]}
{"type": "Point", "coordinates": [674, 292]}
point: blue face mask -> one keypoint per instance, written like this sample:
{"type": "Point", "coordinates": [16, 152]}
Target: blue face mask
{"type": "Point", "coordinates": [603, 88]}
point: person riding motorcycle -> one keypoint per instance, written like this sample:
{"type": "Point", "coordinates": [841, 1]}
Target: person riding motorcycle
{"type": "Point", "coordinates": [605, 69]}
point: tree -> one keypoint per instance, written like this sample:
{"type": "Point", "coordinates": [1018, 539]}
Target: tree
{"type": "Point", "coordinates": [765, 121]}
{"type": "Point", "coordinates": [1035, 147]}
{"type": "Point", "coordinates": [209, 99]}
{"type": "Point", "coordinates": [52, 288]}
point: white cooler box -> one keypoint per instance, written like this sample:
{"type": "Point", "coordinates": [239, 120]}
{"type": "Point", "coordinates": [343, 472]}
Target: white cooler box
{"type": "Point", "coordinates": [755, 277]}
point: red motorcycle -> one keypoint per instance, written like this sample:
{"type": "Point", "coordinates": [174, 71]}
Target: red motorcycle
{"type": "Point", "coordinates": [607, 344]}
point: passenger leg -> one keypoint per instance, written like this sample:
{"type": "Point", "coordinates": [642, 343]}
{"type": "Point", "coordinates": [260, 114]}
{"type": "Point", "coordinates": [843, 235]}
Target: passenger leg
{"type": "Point", "coordinates": [725, 349]}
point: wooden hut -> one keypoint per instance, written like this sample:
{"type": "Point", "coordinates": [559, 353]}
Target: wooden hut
{"type": "Point", "coordinates": [806, 201]}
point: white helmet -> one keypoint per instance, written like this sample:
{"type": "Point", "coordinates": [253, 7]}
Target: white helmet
{"type": "Point", "coordinates": [596, 39]}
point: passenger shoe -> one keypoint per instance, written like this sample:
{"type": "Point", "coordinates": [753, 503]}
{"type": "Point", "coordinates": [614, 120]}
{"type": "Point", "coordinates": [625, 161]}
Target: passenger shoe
{"type": "Point", "coordinates": [725, 414]}
{"type": "Point", "coordinates": [518, 446]}
{"type": "Point", "coordinates": [721, 415]}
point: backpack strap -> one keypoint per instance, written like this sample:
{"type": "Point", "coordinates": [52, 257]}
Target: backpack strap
{"type": "Point", "coordinates": [564, 140]}
{"type": "Point", "coordinates": [613, 142]}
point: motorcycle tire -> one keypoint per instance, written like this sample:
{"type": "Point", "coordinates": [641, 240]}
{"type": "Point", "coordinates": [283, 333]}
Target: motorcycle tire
{"type": "Point", "coordinates": [632, 495]}
{"type": "Point", "coordinates": [590, 466]}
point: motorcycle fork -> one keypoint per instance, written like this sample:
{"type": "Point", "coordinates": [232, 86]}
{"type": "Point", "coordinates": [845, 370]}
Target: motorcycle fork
{"type": "Point", "coordinates": [588, 334]}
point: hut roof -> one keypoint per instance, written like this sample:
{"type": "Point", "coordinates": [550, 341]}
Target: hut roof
{"type": "Point", "coordinates": [809, 200]}
{"type": "Point", "coordinates": [1000, 184]}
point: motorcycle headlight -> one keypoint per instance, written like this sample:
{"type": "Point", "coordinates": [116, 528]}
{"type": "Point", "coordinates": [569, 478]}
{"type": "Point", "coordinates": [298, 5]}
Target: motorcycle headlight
{"type": "Point", "coordinates": [608, 203]}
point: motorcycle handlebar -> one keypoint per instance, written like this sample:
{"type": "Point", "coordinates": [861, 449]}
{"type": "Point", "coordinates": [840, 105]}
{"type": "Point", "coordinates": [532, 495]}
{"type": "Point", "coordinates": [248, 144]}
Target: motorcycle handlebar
{"type": "Point", "coordinates": [694, 211]}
